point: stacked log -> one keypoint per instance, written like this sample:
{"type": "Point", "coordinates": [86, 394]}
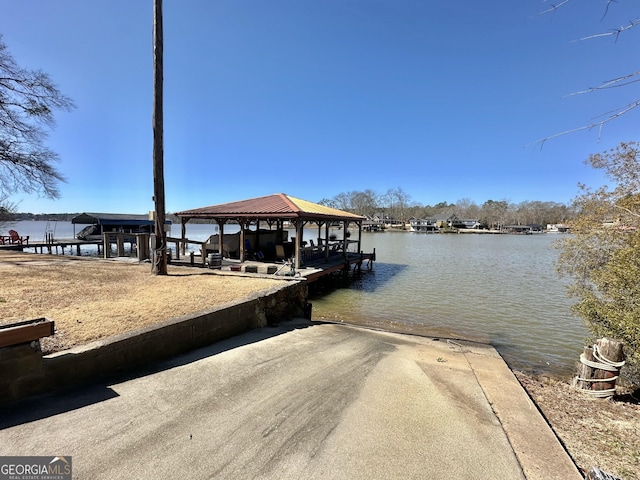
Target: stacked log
{"type": "Point", "coordinates": [599, 368]}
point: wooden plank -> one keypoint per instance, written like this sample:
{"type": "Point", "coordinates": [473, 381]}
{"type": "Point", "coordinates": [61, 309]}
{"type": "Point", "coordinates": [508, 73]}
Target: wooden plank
{"type": "Point", "coordinates": [24, 332]}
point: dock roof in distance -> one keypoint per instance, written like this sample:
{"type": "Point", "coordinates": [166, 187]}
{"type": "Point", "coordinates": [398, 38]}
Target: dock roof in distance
{"type": "Point", "coordinates": [113, 219]}
{"type": "Point", "coordinates": [277, 206]}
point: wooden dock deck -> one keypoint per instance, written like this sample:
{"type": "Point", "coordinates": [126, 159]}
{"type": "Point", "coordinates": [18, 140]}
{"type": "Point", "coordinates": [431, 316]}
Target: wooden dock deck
{"type": "Point", "coordinates": [311, 271]}
{"type": "Point", "coordinates": [59, 246]}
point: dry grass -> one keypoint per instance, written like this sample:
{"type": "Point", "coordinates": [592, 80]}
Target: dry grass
{"type": "Point", "coordinates": [90, 298]}
{"type": "Point", "coordinates": [603, 433]}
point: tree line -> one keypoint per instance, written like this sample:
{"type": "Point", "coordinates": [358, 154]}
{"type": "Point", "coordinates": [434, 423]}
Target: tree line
{"type": "Point", "coordinates": [396, 206]}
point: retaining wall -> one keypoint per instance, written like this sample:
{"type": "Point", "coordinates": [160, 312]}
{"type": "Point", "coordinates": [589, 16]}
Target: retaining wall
{"type": "Point", "coordinates": [24, 371]}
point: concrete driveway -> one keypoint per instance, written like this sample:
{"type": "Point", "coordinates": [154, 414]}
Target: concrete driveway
{"type": "Point", "coordinates": [303, 400]}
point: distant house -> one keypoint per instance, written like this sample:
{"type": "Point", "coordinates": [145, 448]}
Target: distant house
{"type": "Point", "coordinates": [423, 225]}
{"type": "Point", "coordinates": [518, 229]}
{"type": "Point", "coordinates": [618, 224]}
{"type": "Point", "coordinates": [438, 222]}
{"type": "Point", "coordinates": [442, 221]}
{"type": "Point", "coordinates": [456, 222]}
{"type": "Point", "coordinates": [557, 228]}
{"type": "Point", "coordinates": [373, 225]}
{"type": "Point", "coordinates": [385, 219]}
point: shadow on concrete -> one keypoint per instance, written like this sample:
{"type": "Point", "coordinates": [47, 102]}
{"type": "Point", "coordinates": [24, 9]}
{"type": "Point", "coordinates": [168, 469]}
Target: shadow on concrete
{"type": "Point", "coordinates": [54, 403]}
{"type": "Point", "coordinates": [50, 404]}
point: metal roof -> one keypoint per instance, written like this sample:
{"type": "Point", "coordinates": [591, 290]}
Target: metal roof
{"type": "Point", "coordinates": [277, 206]}
{"type": "Point", "coordinates": [112, 219]}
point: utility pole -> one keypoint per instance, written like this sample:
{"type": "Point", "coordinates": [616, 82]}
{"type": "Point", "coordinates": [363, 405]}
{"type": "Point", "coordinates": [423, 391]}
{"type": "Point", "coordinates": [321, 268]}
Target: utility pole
{"type": "Point", "coordinates": [159, 260]}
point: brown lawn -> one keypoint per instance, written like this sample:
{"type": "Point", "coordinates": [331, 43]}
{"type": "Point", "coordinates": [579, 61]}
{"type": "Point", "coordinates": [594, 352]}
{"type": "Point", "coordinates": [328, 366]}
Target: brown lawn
{"type": "Point", "coordinates": [90, 298]}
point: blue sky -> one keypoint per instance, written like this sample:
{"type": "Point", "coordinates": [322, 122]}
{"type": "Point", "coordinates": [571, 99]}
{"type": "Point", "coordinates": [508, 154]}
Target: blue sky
{"type": "Point", "coordinates": [315, 98]}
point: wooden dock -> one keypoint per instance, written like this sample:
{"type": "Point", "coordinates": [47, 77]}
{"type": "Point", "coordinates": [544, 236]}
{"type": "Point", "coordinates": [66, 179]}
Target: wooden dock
{"type": "Point", "coordinates": [354, 262]}
{"type": "Point", "coordinates": [311, 271]}
{"type": "Point", "coordinates": [55, 247]}
{"type": "Point", "coordinates": [316, 262]}
{"type": "Point", "coordinates": [59, 246]}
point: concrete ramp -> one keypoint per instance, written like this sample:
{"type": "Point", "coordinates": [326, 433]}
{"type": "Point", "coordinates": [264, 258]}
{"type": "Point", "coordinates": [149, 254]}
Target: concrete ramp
{"type": "Point", "coordinates": [303, 400]}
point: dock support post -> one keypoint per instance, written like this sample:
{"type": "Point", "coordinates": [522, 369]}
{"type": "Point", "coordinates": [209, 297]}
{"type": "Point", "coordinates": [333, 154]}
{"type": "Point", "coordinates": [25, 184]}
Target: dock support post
{"type": "Point", "coordinates": [142, 246]}
{"type": "Point", "coordinates": [183, 234]}
{"type": "Point", "coordinates": [120, 245]}
{"type": "Point", "coordinates": [106, 245]}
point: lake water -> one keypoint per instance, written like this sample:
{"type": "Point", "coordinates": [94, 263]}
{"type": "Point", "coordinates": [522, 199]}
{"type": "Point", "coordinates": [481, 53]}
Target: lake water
{"type": "Point", "coordinates": [499, 289]}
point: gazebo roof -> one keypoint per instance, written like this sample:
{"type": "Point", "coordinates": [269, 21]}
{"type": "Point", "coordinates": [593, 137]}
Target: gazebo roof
{"type": "Point", "coordinates": [277, 206]}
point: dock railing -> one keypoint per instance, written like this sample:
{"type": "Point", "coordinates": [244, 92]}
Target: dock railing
{"type": "Point", "coordinates": [181, 246]}
{"type": "Point", "coordinates": [327, 251]}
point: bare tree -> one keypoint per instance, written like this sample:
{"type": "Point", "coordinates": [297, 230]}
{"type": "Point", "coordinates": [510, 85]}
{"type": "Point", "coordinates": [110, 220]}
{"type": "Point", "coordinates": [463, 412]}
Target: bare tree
{"type": "Point", "coordinates": [466, 208]}
{"type": "Point", "coordinates": [28, 99]}
{"type": "Point", "coordinates": [342, 201]}
{"type": "Point", "coordinates": [617, 82]}
{"type": "Point", "coordinates": [7, 208]}
{"type": "Point", "coordinates": [364, 203]}
{"type": "Point", "coordinates": [495, 213]}
{"type": "Point", "coordinates": [401, 201]}
{"type": "Point", "coordinates": [440, 209]}
{"type": "Point", "coordinates": [328, 202]}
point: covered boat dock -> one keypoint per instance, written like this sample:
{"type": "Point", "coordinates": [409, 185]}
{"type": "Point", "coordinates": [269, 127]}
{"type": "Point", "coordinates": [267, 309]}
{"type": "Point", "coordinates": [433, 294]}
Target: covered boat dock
{"type": "Point", "coordinates": [102, 230]}
{"type": "Point", "coordinates": [265, 224]}
{"type": "Point", "coordinates": [100, 223]}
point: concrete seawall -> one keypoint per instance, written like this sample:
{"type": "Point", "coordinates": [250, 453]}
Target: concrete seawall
{"type": "Point", "coordinates": [24, 371]}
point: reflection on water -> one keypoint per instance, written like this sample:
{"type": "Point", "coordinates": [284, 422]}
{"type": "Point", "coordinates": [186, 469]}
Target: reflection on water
{"type": "Point", "coordinates": [500, 289]}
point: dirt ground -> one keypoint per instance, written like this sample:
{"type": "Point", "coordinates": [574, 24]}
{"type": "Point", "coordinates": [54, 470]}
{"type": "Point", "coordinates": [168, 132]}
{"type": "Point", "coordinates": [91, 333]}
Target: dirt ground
{"type": "Point", "coordinates": [90, 298]}
{"type": "Point", "coordinates": [602, 433]}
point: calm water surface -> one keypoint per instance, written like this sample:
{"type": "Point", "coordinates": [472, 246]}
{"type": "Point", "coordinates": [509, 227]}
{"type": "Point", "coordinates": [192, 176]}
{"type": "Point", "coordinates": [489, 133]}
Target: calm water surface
{"type": "Point", "coordinates": [499, 289]}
